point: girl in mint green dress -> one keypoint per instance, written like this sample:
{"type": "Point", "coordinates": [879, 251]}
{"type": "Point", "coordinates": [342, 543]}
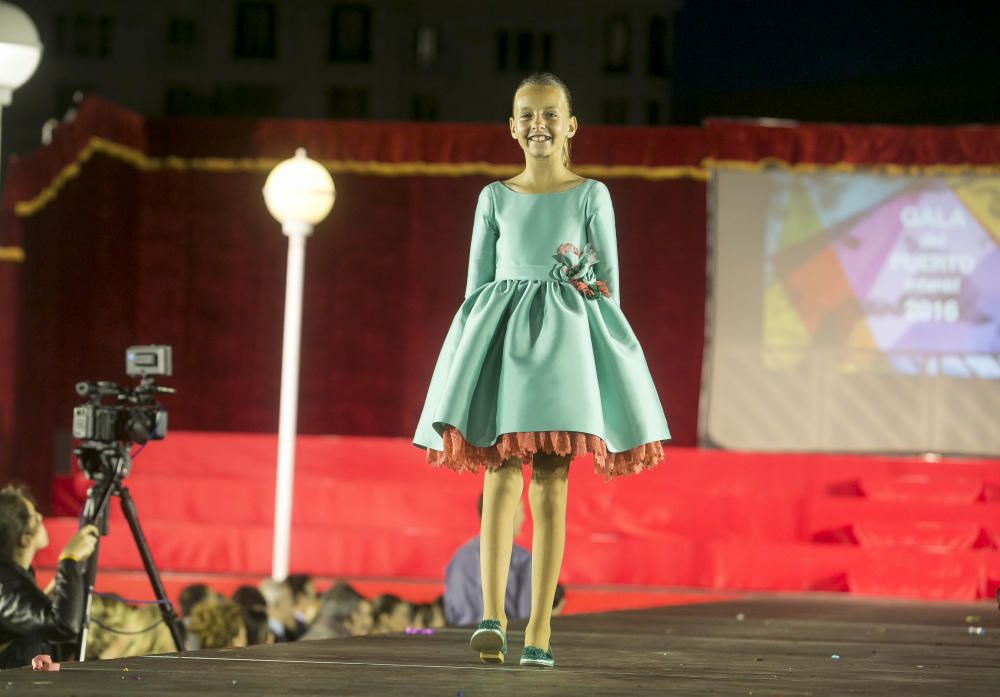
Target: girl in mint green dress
{"type": "Point", "coordinates": [539, 365]}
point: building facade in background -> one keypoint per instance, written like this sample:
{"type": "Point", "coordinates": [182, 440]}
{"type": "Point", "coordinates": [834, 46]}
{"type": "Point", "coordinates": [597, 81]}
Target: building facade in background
{"type": "Point", "coordinates": [429, 60]}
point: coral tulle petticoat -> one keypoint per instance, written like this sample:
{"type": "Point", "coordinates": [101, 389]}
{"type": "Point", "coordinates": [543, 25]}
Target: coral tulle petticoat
{"type": "Point", "coordinates": [462, 456]}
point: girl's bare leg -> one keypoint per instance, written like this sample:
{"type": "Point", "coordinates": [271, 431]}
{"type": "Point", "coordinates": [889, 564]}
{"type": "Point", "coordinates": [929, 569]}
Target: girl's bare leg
{"type": "Point", "coordinates": [501, 496]}
{"type": "Point", "coordinates": [547, 496]}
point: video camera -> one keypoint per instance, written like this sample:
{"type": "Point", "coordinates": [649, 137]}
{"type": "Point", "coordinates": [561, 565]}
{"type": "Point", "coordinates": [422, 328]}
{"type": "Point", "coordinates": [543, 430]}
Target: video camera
{"type": "Point", "coordinates": [130, 415]}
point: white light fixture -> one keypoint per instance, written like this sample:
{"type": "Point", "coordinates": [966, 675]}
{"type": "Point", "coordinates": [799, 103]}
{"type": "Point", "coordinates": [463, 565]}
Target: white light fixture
{"type": "Point", "coordinates": [299, 193]}
{"type": "Point", "coordinates": [20, 51]}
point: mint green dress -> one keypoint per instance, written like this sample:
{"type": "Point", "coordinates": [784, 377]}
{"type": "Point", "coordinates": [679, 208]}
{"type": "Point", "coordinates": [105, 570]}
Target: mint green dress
{"type": "Point", "coordinates": [537, 346]}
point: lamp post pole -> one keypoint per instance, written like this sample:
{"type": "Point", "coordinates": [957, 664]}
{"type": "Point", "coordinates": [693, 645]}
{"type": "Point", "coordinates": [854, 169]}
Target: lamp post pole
{"type": "Point", "coordinates": [297, 233]}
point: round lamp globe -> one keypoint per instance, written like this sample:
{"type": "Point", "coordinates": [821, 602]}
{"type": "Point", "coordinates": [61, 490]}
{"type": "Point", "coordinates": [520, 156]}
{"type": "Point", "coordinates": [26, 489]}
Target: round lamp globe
{"type": "Point", "coordinates": [299, 191]}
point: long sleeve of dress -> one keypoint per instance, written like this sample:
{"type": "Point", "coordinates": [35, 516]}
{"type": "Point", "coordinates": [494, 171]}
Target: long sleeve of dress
{"type": "Point", "coordinates": [483, 254]}
{"type": "Point", "coordinates": [601, 233]}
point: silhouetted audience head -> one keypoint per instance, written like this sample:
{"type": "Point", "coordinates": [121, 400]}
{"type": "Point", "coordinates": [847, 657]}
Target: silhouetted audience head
{"type": "Point", "coordinates": [304, 596]}
{"type": "Point", "coordinates": [429, 615]}
{"type": "Point", "coordinates": [280, 608]}
{"type": "Point", "coordinates": [218, 625]}
{"type": "Point", "coordinates": [342, 612]}
{"type": "Point", "coordinates": [253, 607]}
{"type": "Point", "coordinates": [194, 594]}
{"type": "Point", "coordinates": [392, 613]}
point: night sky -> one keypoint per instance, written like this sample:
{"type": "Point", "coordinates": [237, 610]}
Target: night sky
{"type": "Point", "coordinates": [738, 47]}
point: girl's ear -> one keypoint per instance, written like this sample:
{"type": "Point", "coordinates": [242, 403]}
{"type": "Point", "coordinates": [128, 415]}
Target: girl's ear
{"type": "Point", "coordinates": [513, 128]}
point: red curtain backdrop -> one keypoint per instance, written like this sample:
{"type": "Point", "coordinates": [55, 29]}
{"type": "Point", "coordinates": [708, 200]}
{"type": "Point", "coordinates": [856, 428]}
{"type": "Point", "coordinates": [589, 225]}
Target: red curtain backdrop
{"type": "Point", "coordinates": [140, 230]}
{"type": "Point", "coordinates": [185, 253]}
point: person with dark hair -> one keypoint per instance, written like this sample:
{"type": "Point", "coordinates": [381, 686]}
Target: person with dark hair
{"type": "Point", "coordinates": [463, 589]}
{"type": "Point", "coordinates": [253, 606]}
{"type": "Point", "coordinates": [190, 597]}
{"type": "Point", "coordinates": [33, 622]}
{"type": "Point", "coordinates": [218, 625]}
{"type": "Point", "coordinates": [342, 612]}
{"type": "Point", "coordinates": [392, 613]}
{"type": "Point", "coordinates": [281, 610]}
{"type": "Point", "coordinates": [429, 615]}
{"type": "Point", "coordinates": [304, 598]}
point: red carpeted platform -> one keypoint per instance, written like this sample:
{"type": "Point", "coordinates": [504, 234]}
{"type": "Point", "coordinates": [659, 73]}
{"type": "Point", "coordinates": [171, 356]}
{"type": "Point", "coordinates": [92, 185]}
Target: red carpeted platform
{"type": "Point", "coordinates": [370, 507]}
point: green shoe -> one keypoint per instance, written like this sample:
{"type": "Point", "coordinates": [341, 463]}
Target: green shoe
{"type": "Point", "coordinates": [534, 656]}
{"type": "Point", "coordinates": [489, 641]}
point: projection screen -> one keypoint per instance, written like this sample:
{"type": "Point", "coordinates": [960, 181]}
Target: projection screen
{"type": "Point", "coordinates": [853, 312]}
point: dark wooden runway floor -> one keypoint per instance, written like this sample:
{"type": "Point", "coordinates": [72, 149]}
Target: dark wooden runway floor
{"type": "Point", "coordinates": [784, 645]}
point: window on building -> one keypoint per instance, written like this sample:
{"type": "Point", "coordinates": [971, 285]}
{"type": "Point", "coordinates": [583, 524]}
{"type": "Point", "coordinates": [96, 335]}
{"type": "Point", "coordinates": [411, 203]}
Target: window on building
{"type": "Point", "coordinates": [659, 47]}
{"type": "Point", "coordinates": [427, 47]}
{"type": "Point", "coordinates": [424, 107]}
{"type": "Point", "coordinates": [350, 34]}
{"type": "Point", "coordinates": [182, 38]}
{"type": "Point", "coordinates": [223, 100]}
{"type": "Point", "coordinates": [249, 100]}
{"type": "Point", "coordinates": [503, 51]}
{"type": "Point", "coordinates": [87, 36]}
{"type": "Point", "coordinates": [62, 36]}
{"type": "Point", "coordinates": [654, 113]}
{"type": "Point", "coordinates": [105, 36]}
{"type": "Point", "coordinates": [546, 52]}
{"type": "Point", "coordinates": [617, 44]}
{"type": "Point", "coordinates": [347, 103]}
{"type": "Point", "coordinates": [84, 35]}
{"type": "Point", "coordinates": [525, 51]}
{"type": "Point", "coordinates": [256, 30]}
{"type": "Point", "coordinates": [614, 111]}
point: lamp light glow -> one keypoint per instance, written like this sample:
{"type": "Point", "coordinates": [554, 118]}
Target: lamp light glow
{"type": "Point", "coordinates": [20, 50]}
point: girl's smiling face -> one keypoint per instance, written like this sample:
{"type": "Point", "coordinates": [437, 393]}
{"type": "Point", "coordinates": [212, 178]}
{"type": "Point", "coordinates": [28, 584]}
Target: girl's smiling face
{"type": "Point", "coordinates": [541, 122]}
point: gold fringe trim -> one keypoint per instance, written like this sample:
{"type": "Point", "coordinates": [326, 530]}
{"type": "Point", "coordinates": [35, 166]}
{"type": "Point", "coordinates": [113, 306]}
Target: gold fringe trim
{"type": "Point", "coordinates": [14, 254]}
{"type": "Point", "coordinates": [145, 163]}
{"type": "Point", "coordinates": [138, 159]}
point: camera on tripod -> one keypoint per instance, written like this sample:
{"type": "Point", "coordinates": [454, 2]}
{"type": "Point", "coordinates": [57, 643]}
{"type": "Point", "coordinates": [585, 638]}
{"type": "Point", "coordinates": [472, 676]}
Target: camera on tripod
{"type": "Point", "coordinates": [117, 414]}
{"type": "Point", "coordinates": [114, 418]}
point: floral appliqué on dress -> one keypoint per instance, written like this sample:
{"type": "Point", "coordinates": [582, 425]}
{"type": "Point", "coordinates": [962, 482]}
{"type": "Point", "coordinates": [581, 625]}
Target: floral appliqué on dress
{"type": "Point", "coordinates": [578, 269]}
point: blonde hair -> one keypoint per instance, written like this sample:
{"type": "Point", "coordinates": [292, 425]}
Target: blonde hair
{"type": "Point", "coordinates": [119, 630]}
{"type": "Point", "coordinates": [550, 80]}
{"type": "Point", "coordinates": [216, 624]}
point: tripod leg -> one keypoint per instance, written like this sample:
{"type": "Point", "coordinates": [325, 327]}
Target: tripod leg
{"type": "Point", "coordinates": [95, 511]}
{"type": "Point", "coordinates": [166, 609]}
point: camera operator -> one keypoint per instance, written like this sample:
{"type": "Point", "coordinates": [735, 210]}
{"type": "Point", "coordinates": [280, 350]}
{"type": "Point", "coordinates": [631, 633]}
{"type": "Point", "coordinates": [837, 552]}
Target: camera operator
{"type": "Point", "coordinates": [32, 621]}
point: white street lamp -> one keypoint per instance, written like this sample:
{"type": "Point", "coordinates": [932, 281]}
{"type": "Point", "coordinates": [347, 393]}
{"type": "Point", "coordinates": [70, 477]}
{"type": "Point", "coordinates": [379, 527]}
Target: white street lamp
{"type": "Point", "coordinates": [20, 51]}
{"type": "Point", "coordinates": [299, 193]}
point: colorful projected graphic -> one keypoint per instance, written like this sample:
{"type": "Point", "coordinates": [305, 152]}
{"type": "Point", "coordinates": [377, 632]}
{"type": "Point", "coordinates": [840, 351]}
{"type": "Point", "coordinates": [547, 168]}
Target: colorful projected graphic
{"type": "Point", "coordinates": [903, 274]}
